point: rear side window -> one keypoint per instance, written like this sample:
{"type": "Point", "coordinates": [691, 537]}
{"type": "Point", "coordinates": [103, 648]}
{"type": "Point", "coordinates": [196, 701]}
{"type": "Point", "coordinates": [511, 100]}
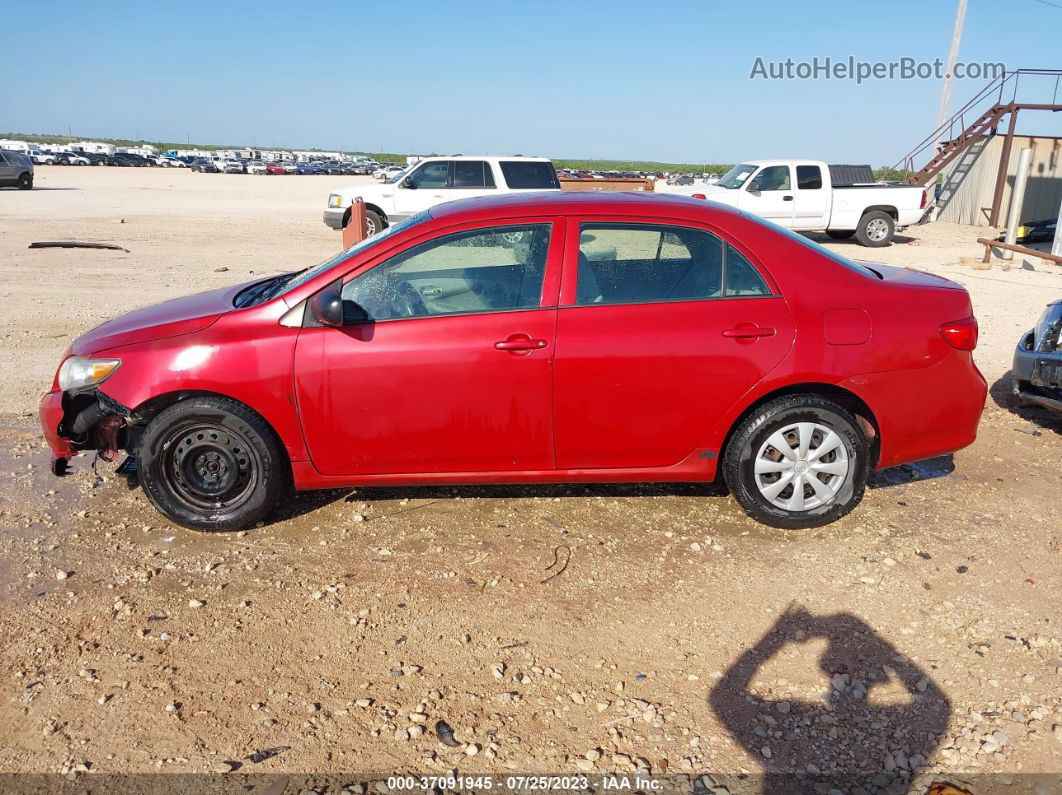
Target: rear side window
{"type": "Point", "coordinates": [529, 174]}
{"type": "Point", "coordinates": [809, 177]}
{"type": "Point", "coordinates": [741, 277]}
{"type": "Point", "coordinates": [645, 263]}
{"type": "Point", "coordinates": [472, 174]}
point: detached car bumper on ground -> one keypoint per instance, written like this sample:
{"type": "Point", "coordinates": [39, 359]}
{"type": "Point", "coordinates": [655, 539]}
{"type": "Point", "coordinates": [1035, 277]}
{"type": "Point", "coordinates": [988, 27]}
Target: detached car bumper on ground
{"type": "Point", "coordinates": [1037, 371]}
{"type": "Point", "coordinates": [536, 338]}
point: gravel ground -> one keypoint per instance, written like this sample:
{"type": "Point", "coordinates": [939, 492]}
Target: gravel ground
{"type": "Point", "coordinates": [553, 629]}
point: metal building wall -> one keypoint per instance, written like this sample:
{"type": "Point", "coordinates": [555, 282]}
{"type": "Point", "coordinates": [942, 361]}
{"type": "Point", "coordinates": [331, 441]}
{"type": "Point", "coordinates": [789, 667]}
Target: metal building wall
{"type": "Point", "coordinates": [966, 197]}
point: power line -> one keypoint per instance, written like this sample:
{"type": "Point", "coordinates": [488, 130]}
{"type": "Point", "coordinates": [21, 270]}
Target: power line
{"type": "Point", "coordinates": [1049, 3]}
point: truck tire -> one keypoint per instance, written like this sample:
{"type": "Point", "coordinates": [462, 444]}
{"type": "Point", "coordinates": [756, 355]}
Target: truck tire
{"type": "Point", "coordinates": [373, 223]}
{"type": "Point", "coordinates": [875, 229]}
{"type": "Point", "coordinates": [840, 234]}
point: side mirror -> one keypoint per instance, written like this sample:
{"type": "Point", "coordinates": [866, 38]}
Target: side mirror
{"type": "Point", "coordinates": [327, 307]}
{"type": "Point", "coordinates": [408, 183]}
{"type": "Point", "coordinates": [754, 186]}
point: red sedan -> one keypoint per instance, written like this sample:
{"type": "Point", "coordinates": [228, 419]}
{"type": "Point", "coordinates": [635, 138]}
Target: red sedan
{"type": "Point", "coordinates": [274, 168]}
{"type": "Point", "coordinates": [560, 337]}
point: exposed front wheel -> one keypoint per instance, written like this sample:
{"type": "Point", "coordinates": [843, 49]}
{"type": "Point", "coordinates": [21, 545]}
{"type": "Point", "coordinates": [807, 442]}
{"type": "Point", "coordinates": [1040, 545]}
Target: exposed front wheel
{"type": "Point", "coordinates": [875, 229]}
{"type": "Point", "coordinates": [212, 464]}
{"type": "Point", "coordinates": [797, 462]}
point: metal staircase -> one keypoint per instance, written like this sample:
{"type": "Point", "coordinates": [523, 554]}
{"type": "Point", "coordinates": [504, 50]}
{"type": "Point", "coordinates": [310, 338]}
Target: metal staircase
{"type": "Point", "coordinates": [954, 136]}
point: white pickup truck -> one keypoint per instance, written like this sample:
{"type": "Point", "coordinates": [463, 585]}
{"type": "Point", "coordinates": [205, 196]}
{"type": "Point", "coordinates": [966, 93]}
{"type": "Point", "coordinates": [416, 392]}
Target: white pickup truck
{"type": "Point", "coordinates": [435, 180]}
{"type": "Point", "coordinates": [809, 195]}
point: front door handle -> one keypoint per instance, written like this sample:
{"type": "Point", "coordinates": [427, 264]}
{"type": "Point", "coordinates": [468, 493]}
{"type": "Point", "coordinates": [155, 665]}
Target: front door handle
{"type": "Point", "coordinates": [747, 330]}
{"type": "Point", "coordinates": [520, 343]}
{"type": "Point", "coordinates": [787, 198]}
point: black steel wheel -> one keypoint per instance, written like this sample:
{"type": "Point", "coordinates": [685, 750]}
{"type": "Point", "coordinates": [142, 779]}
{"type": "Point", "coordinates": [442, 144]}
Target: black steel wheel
{"type": "Point", "coordinates": [212, 464]}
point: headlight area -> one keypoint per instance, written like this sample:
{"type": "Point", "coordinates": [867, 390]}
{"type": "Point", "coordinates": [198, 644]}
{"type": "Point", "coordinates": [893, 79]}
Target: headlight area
{"type": "Point", "coordinates": [335, 200]}
{"type": "Point", "coordinates": [91, 419]}
{"type": "Point", "coordinates": [78, 372]}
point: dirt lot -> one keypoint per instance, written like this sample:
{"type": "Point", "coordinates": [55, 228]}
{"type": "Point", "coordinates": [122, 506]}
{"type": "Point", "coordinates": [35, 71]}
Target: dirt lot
{"type": "Point", "coordinates": [920, 635]}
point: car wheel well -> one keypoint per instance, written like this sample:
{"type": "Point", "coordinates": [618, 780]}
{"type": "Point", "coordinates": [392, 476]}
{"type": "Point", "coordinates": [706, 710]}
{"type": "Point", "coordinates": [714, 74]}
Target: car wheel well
{"type": "Point", "coordinates": [892, 212]}
{"type": "Point", "coordinates": [151, 407]}
{"type": "Point", "coordinates": [839, 395]}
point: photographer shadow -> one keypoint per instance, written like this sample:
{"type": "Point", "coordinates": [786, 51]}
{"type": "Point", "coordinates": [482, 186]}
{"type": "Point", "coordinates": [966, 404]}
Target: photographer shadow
{"type": "Point", "coordinates": [879, 721]}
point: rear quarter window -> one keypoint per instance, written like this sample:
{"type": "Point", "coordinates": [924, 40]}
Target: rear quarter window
{"type": "Point", "coordinates": [529, 174]}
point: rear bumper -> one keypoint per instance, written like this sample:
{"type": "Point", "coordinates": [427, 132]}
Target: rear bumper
{"type": "Point", "coordinates": [51, 415]}
{"type": "Point", "coordinates": [926, 412]}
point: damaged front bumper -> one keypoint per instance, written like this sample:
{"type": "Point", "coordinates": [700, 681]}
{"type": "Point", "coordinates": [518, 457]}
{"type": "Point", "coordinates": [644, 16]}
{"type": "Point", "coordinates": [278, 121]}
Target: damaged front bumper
{"type": "Point", "coordinates": [1037, 369]}
{"type": "Point", "coordinates": [86, 420]}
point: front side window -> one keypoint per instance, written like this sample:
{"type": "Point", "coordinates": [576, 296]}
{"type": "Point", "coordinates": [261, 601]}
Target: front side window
{"type": "Point", "coordinates": [644, 263]}
{"type": "Point", "coordinates": [472, 174]}
{"type": "Point", "coordinates": [809, 177]}
{"type": "Point", "coordinates": [431, 175]}
{"type": "Point", "coordinates": [772, 178]}
{"type": "Point", "coordinates": [483, 270]}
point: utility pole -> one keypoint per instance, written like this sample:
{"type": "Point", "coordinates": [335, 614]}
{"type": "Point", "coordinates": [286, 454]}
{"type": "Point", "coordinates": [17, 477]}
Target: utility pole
{"type": "Point", "coordinates": [953, 54]}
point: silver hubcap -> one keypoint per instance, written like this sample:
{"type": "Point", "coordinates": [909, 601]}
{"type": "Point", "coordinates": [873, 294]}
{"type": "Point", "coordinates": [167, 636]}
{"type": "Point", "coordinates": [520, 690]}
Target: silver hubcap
{"type": "Point", "coordinates": [877, 229]}
{"type": "Point", "coordinates": [801, 466]}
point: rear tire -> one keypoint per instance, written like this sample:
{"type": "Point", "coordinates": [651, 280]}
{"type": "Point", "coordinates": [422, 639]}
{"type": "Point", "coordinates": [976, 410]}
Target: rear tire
{"type": "Point", "coordinates": [776, 450]}
{"type": "Point", "coordinates": [210, 463]}
{"type": "Point", "coordinates": [875, 229]}
{"type": "Point", "coordinates": [25, 181]}
{"type": "Point", "coordinates": [840, 234]}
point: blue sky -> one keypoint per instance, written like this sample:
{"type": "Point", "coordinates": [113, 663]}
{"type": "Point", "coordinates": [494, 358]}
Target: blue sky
{"type": "Point", "coordinates": [634, 80]}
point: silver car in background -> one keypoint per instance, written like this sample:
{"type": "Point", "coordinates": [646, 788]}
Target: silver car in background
{"type": "Point", "coordinates": [16, 170]}
{"type": "Point", "coordinates": [1037, 368]}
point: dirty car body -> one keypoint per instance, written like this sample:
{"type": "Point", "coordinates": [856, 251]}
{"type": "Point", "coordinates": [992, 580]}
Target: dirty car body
{"type": "Point", "coordinates": [1037, 370]}
{"type": "Point", "coordinates": [535, 338]}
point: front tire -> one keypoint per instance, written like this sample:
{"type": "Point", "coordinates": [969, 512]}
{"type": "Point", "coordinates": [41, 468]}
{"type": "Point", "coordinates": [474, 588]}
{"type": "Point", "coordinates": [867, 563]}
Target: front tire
{"type": "Point", "coordinates": [373, 223]}
{"type": "Point", "coordinates": [875, 229]}
{"type": "Point", "coordinates": [210, 463]}
{"type": "Point", "coordinates": [797, 462]}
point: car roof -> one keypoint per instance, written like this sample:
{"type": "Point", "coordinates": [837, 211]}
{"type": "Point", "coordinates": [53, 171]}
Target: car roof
{"type": "Point", "coordinates": [633, 203]}
{"type": "Point", "coordinates": [484, 157]}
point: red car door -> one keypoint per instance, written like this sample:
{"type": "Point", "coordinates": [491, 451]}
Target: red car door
{"type": "Point", "coordinates": [445, 361]}
{"type": "Point", "coordinates": [661, 329]}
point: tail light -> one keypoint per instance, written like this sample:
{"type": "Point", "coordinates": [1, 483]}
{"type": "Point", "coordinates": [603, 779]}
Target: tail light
{"type": "Point", "coordinates": [960, 334]}
{"type": "Point", "coordinates": [925, 199]}
{"type": "Point", "coordinates": [698, 196]}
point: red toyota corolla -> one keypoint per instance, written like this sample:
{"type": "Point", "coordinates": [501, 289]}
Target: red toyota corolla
{"type": "Point", "coordinates": [583, 337]}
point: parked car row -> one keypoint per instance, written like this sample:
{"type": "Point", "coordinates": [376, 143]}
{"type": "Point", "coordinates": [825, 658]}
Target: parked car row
{"type": "Point", "coordinates": [43, 158]}
{"type": "Point", "coordinates": [235, 166]}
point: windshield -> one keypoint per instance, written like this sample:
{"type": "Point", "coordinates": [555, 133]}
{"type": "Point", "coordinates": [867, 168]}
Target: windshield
{"type": "Point", "coordinates": [736, 176]}
{"type": "Point", "coordinates": [298, 279]}
{"type": "Point", "coordinates": [398, 176]}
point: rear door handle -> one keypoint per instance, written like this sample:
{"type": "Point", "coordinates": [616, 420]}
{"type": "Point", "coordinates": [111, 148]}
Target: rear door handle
{"type": "Point", "coordinates": [745, 330]}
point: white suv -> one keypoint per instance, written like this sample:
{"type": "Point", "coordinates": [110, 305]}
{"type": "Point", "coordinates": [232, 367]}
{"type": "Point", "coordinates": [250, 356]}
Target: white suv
{"type": "Point", "coordinates": [435, 180]}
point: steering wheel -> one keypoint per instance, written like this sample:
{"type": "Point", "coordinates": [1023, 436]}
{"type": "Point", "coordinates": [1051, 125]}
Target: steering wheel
{"type": "Point", "coordinates": [407, 301]}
